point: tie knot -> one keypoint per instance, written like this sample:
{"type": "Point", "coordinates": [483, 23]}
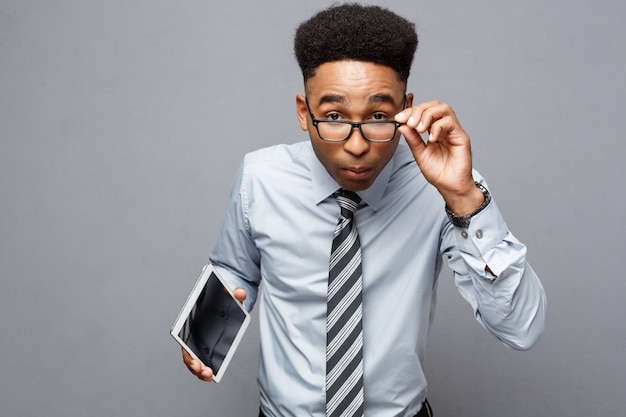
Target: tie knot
{"type": "Point", "coordinates": [348, 200]}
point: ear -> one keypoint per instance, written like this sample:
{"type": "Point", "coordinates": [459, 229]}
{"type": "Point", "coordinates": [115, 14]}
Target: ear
{"type": "Point", "coordinates": [409, 101]}
{"type": "Point", "coordinates": [302, 112]}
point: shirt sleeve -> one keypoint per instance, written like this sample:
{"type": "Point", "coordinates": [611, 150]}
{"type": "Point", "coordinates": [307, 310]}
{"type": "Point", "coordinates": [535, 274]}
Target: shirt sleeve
{"type": "Point", "coordinates": [235, 254]}
{"type": "Point", "coordinates": [507, 297]}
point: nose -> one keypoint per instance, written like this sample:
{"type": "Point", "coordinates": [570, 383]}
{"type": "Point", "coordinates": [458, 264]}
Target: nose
{"type": "Point", "coordinates": [356, 143]}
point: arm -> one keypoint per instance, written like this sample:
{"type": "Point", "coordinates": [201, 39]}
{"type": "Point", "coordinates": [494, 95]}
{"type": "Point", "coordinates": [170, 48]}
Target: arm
{"type": "Point", "coordinates": [237, 259]}
{"type": "Point", "coordinates": [492, 274]}
{"type": "Point", "coordinates": [235, 254]}
{"type": "Point", "coordinates": [490, 265]}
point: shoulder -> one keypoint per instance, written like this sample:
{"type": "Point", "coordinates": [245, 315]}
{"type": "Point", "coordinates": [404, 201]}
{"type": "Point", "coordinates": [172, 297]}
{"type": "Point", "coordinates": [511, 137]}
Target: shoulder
{"type": "Point", "coordinates": [404, 166]}
{"type": "Point", "coordinates": [407, 185]}
{"type": "Point", "coordinates": [284, 153]}
{"type": "Point", "coordinates": [278, 164]}
{"type": "Point", "coordinates": [403, 158]}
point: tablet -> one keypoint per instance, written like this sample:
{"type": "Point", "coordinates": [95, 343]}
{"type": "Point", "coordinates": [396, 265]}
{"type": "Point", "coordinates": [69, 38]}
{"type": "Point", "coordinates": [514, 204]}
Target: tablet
{"type": "Point", "coordinates": [211, 323]}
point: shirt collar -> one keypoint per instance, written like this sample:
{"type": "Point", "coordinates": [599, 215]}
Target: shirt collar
{"type": "Point", "coordinates": [324, 184]}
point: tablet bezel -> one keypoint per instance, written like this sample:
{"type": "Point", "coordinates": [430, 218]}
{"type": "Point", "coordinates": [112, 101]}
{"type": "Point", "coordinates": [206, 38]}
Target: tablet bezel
{"type": "Point", "coordinates": [184, 315]}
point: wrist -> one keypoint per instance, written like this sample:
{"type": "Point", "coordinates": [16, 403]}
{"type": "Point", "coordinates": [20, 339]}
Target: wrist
{"type": "Point", "coordinates": [463, 199]}
{"type": "Point", "coordinates": [462, 208]}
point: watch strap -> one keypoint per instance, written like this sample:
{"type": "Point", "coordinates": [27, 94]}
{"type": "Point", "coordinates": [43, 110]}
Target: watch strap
{"type": "Point", "coordinates": [464, 221]}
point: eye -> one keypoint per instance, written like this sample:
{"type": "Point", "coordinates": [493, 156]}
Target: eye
{"type": "Point", "coordinates": [379, 116]}
{"type": "Point", "coordinates": [333, 116]}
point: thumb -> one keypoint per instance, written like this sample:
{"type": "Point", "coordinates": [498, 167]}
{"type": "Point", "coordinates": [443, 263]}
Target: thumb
{"type": "Point", "coordinates": [413, 139]}
{"type": "Point", "coordinates": [240, 294]}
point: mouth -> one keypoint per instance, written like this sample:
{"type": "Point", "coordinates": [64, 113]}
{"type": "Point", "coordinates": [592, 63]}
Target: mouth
{"type": "Point", "coordinates": [357, 173]}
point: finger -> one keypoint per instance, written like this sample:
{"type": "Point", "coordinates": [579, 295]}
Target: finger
{"type": "Point", "coordinates": [206, 374]}
{"type": "Point", "coordinates": [410, 116]}
{"type": "Point", "coordinates": [440, 112]}
{"type": "Point", "coordinates": [434, 113]}
{"type": "Point", "coordinates": [413, 139]}
{"type": "Point", "coordinates": [193, 365]}
{"type": "Point", "coordinates": [440, 128]}
{"type": "Point", "coordinates": [414, 116]}
{"type": "Point", "coordinates": [197, 368]}
{"type": "Point", "coordinates": [240, 294]}
{"type": "Point", "coordinates": [187, 359]}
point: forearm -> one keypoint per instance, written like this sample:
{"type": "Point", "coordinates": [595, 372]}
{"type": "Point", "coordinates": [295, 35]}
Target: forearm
{"type": "Point", "coordinates": [492, 274]}
{"type": "Point", "coordinates": [513, 310]}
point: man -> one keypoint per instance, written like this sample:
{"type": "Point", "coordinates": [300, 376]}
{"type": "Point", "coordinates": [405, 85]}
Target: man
{"type": "Point", "coordinates": [412, 204]}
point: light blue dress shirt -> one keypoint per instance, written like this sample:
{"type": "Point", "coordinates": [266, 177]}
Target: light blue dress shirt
{"type": "Point", "coordinates": [276, 242]}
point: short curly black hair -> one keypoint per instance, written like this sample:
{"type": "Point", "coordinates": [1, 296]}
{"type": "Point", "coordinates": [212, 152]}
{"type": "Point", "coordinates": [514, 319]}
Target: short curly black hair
{"type": "Point", "coordinates": [356, 32]}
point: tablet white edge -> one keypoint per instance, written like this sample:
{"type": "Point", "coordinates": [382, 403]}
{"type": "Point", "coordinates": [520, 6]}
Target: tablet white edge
{"type": "Point", "coordinates": [184, 313]}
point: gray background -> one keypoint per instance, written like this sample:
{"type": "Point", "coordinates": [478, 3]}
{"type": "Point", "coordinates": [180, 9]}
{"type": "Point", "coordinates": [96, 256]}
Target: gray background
{"type": "Point", "coordinates": [123, 122]}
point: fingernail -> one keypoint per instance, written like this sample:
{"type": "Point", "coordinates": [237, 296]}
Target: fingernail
{"type": "Point", "coordinates": [420, 126]}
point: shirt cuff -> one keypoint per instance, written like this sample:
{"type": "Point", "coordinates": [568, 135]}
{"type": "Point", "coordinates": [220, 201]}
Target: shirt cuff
{"type": "Point", "coordinates": [487, 230]}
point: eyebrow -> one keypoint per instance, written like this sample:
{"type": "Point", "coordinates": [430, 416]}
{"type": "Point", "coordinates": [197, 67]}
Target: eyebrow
{"type": "Point", "coordinates": [381, 98]}
{"type": "Point", "coordinates": [333, 99]}
{"type": "Point", "coordinates": [377, 98]}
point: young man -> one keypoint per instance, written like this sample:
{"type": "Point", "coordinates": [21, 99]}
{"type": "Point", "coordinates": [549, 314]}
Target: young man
{"type": "Point", "coordinates": [379, 244]}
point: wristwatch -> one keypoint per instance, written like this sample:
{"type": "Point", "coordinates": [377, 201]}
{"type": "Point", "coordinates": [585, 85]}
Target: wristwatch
{"type": "Point", "coordinates": [464, 221]}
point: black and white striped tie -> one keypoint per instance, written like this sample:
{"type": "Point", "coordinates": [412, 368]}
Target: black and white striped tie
{"type": "Point", "coordinates": [344, 333]}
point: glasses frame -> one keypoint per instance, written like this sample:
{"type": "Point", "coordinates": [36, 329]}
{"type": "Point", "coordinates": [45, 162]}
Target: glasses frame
{"type": "Point", "coordinates": [354, 125]}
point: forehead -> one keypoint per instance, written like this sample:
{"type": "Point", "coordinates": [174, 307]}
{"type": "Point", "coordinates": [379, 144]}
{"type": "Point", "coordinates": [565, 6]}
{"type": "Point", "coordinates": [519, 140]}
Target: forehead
{"type": "Point", "coordinates": [349, 81]}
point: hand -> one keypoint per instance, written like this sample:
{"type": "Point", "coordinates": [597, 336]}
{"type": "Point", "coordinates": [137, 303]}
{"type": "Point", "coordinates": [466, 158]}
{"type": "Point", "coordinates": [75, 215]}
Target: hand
{"type": "Point", "coordinates": [196, 367]}
{"type": "Point", "coordinates": [446, 158]}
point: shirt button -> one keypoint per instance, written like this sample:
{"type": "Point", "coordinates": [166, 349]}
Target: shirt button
{"type": "Point", "coordinates": [464, 234]}
{"type": "Point", "coordinates": [479, 234]}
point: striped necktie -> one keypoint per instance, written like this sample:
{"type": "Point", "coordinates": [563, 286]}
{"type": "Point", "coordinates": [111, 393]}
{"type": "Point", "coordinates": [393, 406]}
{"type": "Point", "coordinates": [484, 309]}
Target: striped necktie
{"type": "Point", "coordinates": [344, 334]}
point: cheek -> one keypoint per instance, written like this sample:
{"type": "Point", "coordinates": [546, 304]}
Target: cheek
{"type": "Point", "coordinates": [385, 154]}
{"type": "Point", "coordinates": [325, 153]}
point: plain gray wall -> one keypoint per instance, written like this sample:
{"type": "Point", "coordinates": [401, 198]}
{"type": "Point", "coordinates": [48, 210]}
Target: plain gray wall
{"type": "Point", "coordinates": [123, 122]}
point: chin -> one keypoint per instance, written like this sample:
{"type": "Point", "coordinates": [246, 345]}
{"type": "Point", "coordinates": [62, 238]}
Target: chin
{"type": "Point", "coordinates": [355, 185]}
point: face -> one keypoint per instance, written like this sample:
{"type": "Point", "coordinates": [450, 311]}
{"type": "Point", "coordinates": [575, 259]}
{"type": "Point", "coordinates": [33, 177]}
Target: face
{"type": "Point", "coordinates": [354, 91]}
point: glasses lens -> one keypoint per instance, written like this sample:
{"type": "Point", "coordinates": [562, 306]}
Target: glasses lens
{"type": "Point", "coordinates": [334, 130]}
{"type": "Point", "coordinates": [372, 131]}
{"type": "Point", "coordinates": [379, 131]}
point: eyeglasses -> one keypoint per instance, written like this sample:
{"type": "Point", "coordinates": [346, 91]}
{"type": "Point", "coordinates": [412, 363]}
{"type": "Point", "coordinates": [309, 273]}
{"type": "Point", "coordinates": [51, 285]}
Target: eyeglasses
{"type": "Point", "coordinates": [341, 130]}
